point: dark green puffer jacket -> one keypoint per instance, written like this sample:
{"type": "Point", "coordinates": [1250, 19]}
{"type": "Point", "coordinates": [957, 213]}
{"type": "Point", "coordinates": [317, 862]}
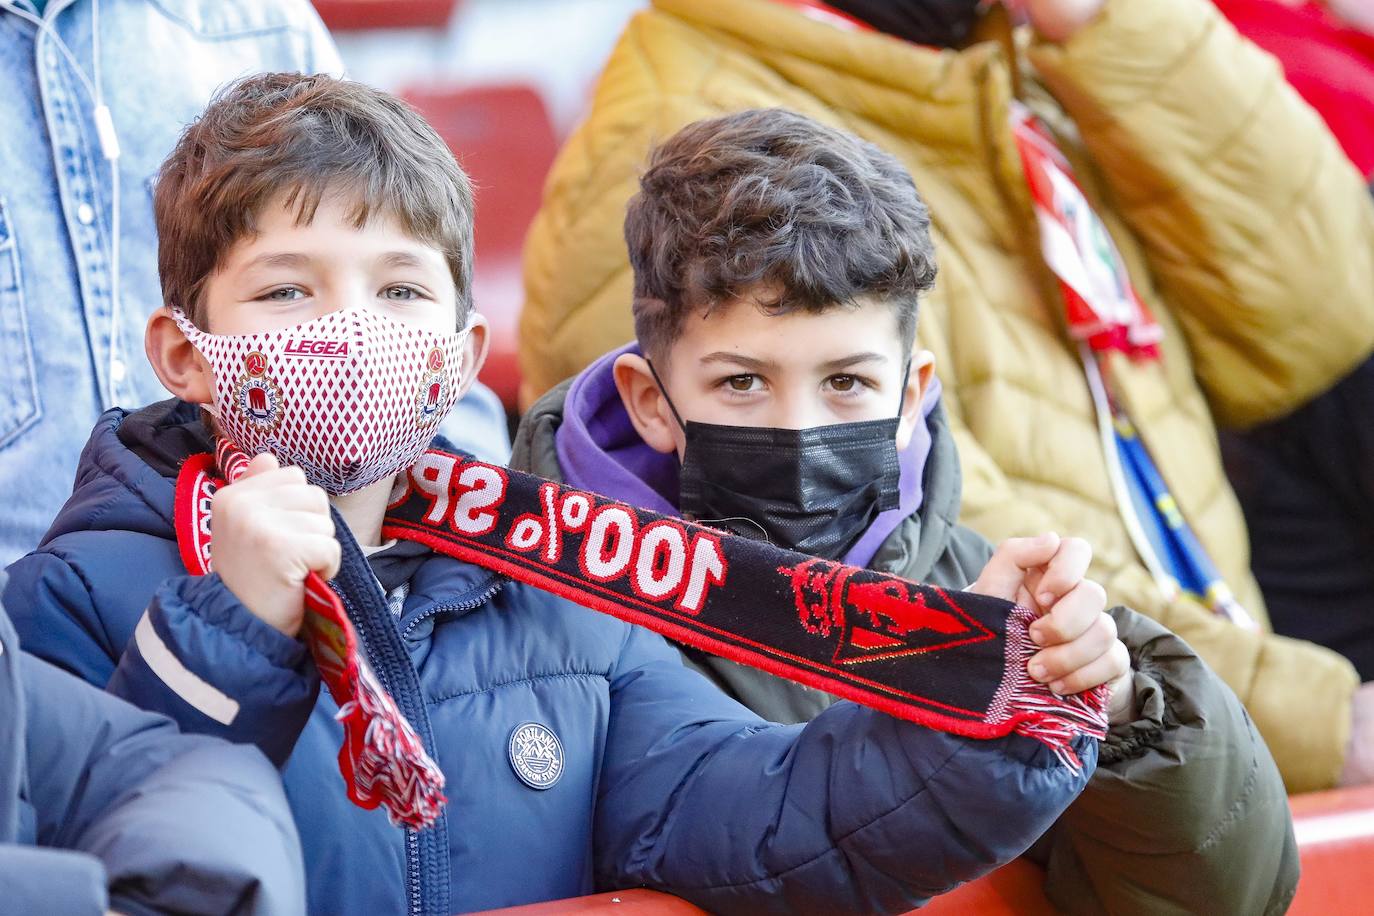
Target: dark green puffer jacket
{"type": "Point", "coordinates": [1186, 813]}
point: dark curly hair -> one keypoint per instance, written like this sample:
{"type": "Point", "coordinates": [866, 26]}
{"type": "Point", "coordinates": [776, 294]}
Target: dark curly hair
{"type": "Point", "coordinates": [770, 203]}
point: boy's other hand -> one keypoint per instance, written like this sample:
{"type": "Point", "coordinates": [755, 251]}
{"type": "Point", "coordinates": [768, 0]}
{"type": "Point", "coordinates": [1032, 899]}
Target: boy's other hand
{"type": "Point", "coordinates": [1079, 648]}
{"type": "Point", "coordinates": [1359, 755]}
{"type": "Point", "coordinates": [271, 530]}
{"type": "Point", "coordinates": [1058, 20]}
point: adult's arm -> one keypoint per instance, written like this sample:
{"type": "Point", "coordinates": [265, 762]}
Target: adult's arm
{"type": "Point", "coordinates": [1255, 223]}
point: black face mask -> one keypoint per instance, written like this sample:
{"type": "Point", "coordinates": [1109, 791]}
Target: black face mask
{"type": "Point", "coordinates": [941, 23]}
{"type": "Point", "coordinates": [812, 490]}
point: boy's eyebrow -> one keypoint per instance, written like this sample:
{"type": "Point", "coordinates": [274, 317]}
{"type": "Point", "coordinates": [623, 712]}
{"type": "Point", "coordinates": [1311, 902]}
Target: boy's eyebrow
{"type": "Point", "coordinates": [854, 359]}
{"type": "Point", "coordinates": [737, 359]}
{"type": "Point", "coordinates": [401, 259]}
{"type": "Point", "coordinates": [278, 259]}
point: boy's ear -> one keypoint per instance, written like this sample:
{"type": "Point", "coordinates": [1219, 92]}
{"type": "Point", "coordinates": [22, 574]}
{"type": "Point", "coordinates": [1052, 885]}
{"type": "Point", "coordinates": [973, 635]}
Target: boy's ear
{"type": "Point", "coordinates": [917, 381]}
{"type": "Point", "coordinates": [179, 365]}
{"type": "Point", "coordinates": [645, 403]}
{"type": "Point", "coordinates": [474, 352]}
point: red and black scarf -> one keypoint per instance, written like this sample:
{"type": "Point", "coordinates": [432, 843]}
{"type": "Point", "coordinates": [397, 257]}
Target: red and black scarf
{"type": "Point", "coordinates": [952, 661]}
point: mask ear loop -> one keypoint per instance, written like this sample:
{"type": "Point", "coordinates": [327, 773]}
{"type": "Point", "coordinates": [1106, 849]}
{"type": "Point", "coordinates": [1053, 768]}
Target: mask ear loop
{"type": "Point", "coordinates": [906, 379]}
{"type": "Point", "coordinates": [664, 391]}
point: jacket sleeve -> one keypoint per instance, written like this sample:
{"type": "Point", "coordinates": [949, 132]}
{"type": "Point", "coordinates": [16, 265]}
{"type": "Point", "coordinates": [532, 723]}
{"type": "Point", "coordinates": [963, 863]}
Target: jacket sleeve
{"type": "Point", "coordinates": [202, 658]}
{"type": "Point", "coordinates": [854, 812]}
{"type": "Point", "coordinates": [179, 823]}
{"type": "Point", "coordinates": [1252, 217]}
{"type": "Point", "coordinates": [1186, 812]}
{"type": "Point", "coordinates": [196, 654]}
{"type": "Point", "coordinates": [54, 881]}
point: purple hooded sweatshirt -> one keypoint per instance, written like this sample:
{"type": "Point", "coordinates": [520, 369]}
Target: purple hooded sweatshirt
{"type": "Point", "coordinates": [599, 450]}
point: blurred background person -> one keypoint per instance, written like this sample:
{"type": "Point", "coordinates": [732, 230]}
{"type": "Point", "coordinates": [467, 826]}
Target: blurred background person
{"type": "Point", "coordinates": [94, 95]}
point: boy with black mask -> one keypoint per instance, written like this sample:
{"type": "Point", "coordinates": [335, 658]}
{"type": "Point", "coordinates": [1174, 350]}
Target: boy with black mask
{"type": "Point", "coordinates": [775, 390]}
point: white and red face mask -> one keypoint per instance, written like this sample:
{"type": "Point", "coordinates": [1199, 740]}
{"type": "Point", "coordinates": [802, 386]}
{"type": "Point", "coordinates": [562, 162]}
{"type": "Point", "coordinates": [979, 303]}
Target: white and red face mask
{"type": "Point", "coordinates": [350, 397]}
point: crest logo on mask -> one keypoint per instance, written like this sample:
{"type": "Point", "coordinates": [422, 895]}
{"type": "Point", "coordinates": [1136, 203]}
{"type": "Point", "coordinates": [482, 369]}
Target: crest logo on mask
{"type": "Point", "coordinates": [258, 396]}
{"type": "Point", "coordinates": [260, 401]}
{"type": "Point", "coordinates": [433, 393]}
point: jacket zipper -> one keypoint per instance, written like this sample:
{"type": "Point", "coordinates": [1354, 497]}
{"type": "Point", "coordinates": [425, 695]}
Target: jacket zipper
{"type": "Point", "coordinates": [413, 877]}
{"type": "Point", "coordinates": [415, 901]}
{"type": "Point", "coordinates": [412, 837]}
{"type": "Point", "coordinates": [413, 871]}
{"type": "Point", "coordinates": [440, 608]}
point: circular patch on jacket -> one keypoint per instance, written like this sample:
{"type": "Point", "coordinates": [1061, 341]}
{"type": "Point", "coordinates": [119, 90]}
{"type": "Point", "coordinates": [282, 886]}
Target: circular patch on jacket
{"type": "Point", "coordinates": [536, 755]}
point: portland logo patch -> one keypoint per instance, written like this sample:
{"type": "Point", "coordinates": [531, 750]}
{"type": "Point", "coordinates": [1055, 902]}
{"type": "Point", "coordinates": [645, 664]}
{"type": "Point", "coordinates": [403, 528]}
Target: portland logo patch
{"type": "Point", "coordinates": [536, 755]}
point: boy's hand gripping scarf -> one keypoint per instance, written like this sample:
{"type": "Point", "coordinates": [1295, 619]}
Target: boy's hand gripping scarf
{"type": "Point", "coordinates": [952, 661]}
{"type": "Point", "coordinates": [382, 760]}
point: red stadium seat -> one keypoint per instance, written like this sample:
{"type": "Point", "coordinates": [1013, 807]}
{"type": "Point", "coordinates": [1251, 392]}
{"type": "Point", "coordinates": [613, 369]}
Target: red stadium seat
{"type": "Point", "coordinates": [504, 139]}
{"type": "Point", "coordinates": [1335, 832]}
{"type": "Point", "coordinates": [360, 15]}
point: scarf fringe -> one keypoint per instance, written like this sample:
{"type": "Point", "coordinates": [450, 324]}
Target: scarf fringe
{"type": "Point", "coordinates": [388, 762]}
{"type": "Point", "coordinates": [1037, 711]}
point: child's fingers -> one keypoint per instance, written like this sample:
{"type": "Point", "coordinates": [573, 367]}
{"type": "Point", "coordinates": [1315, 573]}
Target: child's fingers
{"type": "Point", "coordinates": [1071, 615]}
{"type": "Point", "coordinates": [1065, 570]}
{"type": "Point", "coordinates": [305, 522]}
{"type": "Point", "coordinates": [1061, 660]}
{"type": "Point", "coordinates": [1102, 670]}
{"type": "Point", "coordinates": [300, 498]}
{"type": "Point", "coordinates": [320, 553]}
{"type": "Point", "coordinates": [267, 479]}
{"type": "Point", "coordinates": [260, 464]}
{"type": "Point", "coordinates": [1005, 572]}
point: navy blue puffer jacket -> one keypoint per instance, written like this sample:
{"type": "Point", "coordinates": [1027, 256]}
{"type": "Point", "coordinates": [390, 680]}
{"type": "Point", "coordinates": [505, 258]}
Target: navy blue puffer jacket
{"type": "Point", "coordinates": [103, 806]}
{"type": "Point", "coordinates": [666, 782]}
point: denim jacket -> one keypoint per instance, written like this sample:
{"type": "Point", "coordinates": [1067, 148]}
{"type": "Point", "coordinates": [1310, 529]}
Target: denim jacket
{"type": "Point", "coordinates": [62, 358]}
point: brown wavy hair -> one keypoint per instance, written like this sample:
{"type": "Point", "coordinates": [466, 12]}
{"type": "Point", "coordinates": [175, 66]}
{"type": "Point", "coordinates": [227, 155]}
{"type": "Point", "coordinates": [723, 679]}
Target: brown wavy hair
{"type": "Point", "coordinates": [297, 138]}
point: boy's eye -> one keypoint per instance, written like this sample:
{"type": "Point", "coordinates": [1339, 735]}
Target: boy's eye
{"type": "Point", "coordinates": [285, 294]}
{"type": "Point", "coordinates": [401, 293]}
{"type": "Point", "coordinates": [843, 382]}
{"type": "Point", "coordinates": [741, 382]}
